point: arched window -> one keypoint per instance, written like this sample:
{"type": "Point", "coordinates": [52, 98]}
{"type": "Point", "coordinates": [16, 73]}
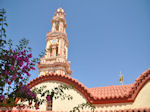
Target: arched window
{"type": "Point", "coordinates": [49, 103]}
{"type": "Point", "coordinates": [57, 51]}
{"type": "Point", "coordinates": [50, 50]}
{"type": "Point", "coordinates": [57, 26]}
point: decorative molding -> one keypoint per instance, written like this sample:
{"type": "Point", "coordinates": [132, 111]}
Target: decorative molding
{"type": "Point", "coordinates": [129, 97]}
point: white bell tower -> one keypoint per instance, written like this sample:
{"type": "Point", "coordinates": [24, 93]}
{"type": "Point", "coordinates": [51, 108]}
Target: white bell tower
{"type": "Point", "coordinates": [55, 59]}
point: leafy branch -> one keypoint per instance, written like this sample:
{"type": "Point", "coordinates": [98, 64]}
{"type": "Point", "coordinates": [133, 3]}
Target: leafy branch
{"type": "Point", "coordinates": [82, 106]}
{"type": "Point", "coordinates": [45, 95]}
{"type": "Point", "coordinates": [3, 24]}
{"type": "Point", "coordinates": [56, 92]}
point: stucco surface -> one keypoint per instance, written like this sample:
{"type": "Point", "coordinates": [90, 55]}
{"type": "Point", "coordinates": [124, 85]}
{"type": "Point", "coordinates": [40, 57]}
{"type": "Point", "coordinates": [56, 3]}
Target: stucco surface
{"type": "Point", "coordinates": [63, 105]}
{"type": "Point", "coordinates": [142, 101]}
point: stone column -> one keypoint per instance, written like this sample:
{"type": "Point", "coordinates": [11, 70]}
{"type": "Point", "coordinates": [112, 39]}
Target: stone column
{"type": "Point", "coordinates": [54, 51]}
{"type": "Point", "coordinates": [54, 27]}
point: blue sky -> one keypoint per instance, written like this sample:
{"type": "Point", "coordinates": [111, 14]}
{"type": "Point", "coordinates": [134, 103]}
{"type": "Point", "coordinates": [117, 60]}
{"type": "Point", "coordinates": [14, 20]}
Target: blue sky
{"type": "Point", "coordinates": [105, 36]}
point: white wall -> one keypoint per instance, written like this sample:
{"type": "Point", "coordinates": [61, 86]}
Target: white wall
{"type": "Point", "coordinates": [142, 101]}
{"type": "Point", "coordinates": [63, 105]}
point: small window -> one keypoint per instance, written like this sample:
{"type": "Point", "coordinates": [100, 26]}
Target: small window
{"type": "Point", "coordinates": [49, 103]}
{"type": "Point", "coordinates": [57, 26]}
{"type": "Point", "coordinates": [50, 49]}
{"type": "Point", "coordinates": [57, 51]}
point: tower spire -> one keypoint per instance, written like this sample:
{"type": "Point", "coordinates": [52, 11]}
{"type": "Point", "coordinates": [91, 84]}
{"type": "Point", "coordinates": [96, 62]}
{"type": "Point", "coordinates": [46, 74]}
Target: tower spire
{"type": "Point", "coordinates": [55, 59]}
{"type": "Point", "coordinates": [59, 22]}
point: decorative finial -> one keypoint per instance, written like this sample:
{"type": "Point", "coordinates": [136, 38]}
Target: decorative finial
{"type": "Point", "coordinates": [121, 78]}
{"type": "Point", "coordinates": [60, 10]}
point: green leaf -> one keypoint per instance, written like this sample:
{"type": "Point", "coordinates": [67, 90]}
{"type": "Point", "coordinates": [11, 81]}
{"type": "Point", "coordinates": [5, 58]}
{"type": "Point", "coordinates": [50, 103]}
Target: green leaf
{"type": "Point", "coordinates": [43, 94]}
{"type": "Point", "coordinates": [61, 90]}
{"type": "Point", "coordinates": [52, 94]}
{"type": "Point", "coordinates": [6, 24]}
{"type": "Point", "coordinates": [55, 88]}
{"type": "Point", "coordinates": [4, 30]}
{"type": "Point", "coordinates": [1, 19]}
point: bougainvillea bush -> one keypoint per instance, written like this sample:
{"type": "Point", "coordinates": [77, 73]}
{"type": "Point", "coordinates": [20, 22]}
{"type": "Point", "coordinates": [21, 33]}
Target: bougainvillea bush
{"type": "Point", "coordinates": [15, 65]}
{"type": "Point", "coordinates": [16, 62]}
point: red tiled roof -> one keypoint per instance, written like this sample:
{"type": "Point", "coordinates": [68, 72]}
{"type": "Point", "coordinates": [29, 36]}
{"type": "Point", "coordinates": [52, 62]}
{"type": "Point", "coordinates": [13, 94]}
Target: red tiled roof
{"type": "Point", "coordinates": [101, 95]}
{"type": "Point", "coordinates": [111, 91]}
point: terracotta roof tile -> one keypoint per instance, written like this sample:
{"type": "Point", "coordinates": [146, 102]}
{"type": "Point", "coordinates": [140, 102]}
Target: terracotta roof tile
{"type": "Point", "coordinates": [111, 91]}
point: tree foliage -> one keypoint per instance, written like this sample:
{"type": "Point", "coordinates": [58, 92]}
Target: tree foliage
{"type": "Point", "coordinates": [16, 62]}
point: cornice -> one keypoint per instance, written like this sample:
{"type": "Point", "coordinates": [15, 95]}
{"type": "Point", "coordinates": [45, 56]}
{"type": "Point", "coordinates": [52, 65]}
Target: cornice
{"type": "Point", "coordinates": [58, 35]}
{"type": "Point", "coordinates": [128, 97]}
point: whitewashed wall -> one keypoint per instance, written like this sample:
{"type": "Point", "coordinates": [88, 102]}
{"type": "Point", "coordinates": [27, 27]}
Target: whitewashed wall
{"type": "Point", "coordinates": [63, 105]}
{"type": "Point", "coordinates": [142, 101]}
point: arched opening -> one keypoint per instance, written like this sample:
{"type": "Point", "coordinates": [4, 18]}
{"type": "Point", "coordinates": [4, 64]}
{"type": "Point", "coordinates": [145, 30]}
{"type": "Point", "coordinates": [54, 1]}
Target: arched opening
{"type": "Point", "coordinates": [57, 51]}
{"type": "Point", "coordinates": [57, 26]}
{"type": "Point", "coordinates": [49, 103]}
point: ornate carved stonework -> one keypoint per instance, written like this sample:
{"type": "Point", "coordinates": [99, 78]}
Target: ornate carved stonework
{"type": "Point", "coordinates": [55, 59]}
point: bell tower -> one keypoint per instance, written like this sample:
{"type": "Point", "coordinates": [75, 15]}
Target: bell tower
{"type": "Point", "coordinates": [55, 58]}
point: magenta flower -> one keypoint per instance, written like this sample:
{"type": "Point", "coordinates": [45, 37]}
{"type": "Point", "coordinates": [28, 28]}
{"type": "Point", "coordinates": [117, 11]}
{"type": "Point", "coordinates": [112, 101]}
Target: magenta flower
{"type": "Point", "coordinates": [9, 83]}
{"type": "Point", "coordinates": [48, 98]}
{"type": "Point", "coordinates": [22, 53]}
{"type": "Point", "coordinates": [14, 51]}
{"type": "Point", "coordinates": [26, 59]}
{"type": "Point", "coordinates": [19, 53]}
{"type": "Point", "coordinates": [34, 96]}
{"type": "Point", "coordinates": [2, 97]}
{"type": "Point", "coordinates": [18, 59]}
{"type": "Point", "coordinates": [11, 68]}
{"type": "Point", "coordinates": [27, 63]}
{"type": "Point", "coordinates": [20, 63]}
{"type": "Point", "coordinates": [30, 55]}
{"type": "Point", "coordinates": [7, 80]}
{"type": "Point", "coordinates": [28, 74]}
{"type": "Point", "coordinates": [32, 68]}
{"type": "Point", "coordinates": [24, 68]}
{"type": "Point", "coordinates": [36, 106]}
{"type": "Point", "coordinates": [6, 73]}
{"type": "Point", "coordinates": [32, 63]}
{"type": "Point", "coordinates": [14, 77]}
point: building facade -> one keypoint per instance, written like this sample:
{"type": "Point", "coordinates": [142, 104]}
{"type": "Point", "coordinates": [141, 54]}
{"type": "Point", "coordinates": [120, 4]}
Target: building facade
{"type": "Point", "coordinates": [54, 70]}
